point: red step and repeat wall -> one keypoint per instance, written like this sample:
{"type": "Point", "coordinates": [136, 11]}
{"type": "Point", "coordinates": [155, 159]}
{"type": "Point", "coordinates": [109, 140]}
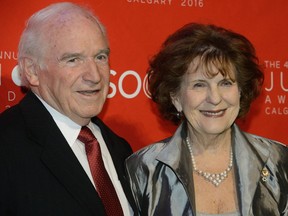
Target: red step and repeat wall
{"type": "Point", "coordinates": [136, 29]}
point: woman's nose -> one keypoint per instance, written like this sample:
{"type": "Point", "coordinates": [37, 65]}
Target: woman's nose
{"type": "Point", "coordinates": [214, 96]}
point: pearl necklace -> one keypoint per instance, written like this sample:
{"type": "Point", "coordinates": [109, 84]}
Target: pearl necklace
{"type": "Point", "coordinates": [215, 179]}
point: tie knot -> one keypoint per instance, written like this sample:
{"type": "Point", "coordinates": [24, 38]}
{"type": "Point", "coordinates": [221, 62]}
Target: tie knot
{"type": "Point", "coordinates": [86, 135]}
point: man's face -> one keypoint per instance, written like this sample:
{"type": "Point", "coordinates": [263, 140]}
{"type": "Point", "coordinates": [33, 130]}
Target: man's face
{"type": "Point", "coordinates": [74, 76]}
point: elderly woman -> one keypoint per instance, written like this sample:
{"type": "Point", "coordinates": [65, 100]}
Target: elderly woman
{"type": "Point", "coordinates": [205, 77]}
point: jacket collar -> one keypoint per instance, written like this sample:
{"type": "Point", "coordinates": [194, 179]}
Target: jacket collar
{"type": "Point", "coordinates": [250, 158]}
{"type": "Point", "coordinates": [175, 154]}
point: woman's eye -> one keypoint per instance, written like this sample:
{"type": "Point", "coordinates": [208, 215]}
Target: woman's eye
{"type": "Point", "coordinates": [198, 85]}
{"type": "Point", "coordinates": [226, 83]}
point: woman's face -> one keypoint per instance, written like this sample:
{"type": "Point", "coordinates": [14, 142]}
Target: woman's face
{"type": "Point", "coordinates": [210, 105]}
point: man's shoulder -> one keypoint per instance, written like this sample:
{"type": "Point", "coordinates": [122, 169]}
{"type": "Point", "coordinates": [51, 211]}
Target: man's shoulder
{"type": "Point", "coordinates": [105, 129]}
{"type": "Point", "coordinates": [9, 117]}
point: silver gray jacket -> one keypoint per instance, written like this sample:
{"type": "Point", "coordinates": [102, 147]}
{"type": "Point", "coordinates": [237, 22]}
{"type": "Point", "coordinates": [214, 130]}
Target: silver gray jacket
{"type": "Point", "coordinates": [161, 181]}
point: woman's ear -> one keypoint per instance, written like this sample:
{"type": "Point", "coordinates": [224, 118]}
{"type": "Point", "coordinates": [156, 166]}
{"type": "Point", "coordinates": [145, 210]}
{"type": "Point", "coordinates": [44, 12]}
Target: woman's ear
{"type": "Point", "coordinates": [30, 71]}
{"type": "Point", "coordinates": [176, 102]}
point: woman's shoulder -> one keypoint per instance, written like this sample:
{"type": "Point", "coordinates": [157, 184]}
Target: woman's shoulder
{"type": "Point", "coordinates": [277, 149]}
{"type": "Point", "coordinates": [267, 141]}
{"type": "Point", "coordinates": [258, 140]}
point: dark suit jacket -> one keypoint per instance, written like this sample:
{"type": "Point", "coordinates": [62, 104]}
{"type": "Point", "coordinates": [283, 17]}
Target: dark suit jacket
{"type": "Point", "coordinates": [39, 173]}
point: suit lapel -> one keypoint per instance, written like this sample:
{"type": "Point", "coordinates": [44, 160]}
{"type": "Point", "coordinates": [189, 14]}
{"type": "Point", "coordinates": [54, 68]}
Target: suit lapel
{"type": "Point", "coordinates": [58, 156]}
{"type": "Point", "coordinates": [249, 164]}
{"type": "Point", "coordinates": [116, 148]}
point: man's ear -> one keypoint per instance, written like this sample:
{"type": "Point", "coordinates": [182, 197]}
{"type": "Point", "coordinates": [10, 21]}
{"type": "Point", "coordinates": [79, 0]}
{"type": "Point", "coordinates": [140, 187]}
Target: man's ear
{"type": "Point", "coordinates": [176, 102]}
{"type": "Point", "coordinates": [30, 71]}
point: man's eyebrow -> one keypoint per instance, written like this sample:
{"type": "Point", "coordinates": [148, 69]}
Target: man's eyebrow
{"type": "Point", "coordinates": [68, 56]}
{"type": "Point", "coordinates": [106, 51]}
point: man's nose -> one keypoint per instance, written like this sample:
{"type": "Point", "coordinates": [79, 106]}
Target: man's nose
{"type": "Point", "coordinates": [92, 72]}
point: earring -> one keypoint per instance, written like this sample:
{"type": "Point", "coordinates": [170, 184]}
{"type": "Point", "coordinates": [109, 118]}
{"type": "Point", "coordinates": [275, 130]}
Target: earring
{"type": "Point", "coordinates": [179, 115]}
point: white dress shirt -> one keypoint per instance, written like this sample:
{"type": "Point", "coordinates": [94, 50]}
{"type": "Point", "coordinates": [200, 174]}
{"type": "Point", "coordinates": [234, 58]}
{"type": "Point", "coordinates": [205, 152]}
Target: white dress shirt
{"type": "Point", "coordinates": [70, 131]}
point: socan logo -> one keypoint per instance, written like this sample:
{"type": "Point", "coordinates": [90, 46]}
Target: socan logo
{"type": "Point", "coordinates": [119, 87]}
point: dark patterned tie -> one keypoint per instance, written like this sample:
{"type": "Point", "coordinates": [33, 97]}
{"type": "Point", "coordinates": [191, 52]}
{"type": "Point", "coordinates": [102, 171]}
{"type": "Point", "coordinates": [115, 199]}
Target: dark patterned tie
{"type": "Point", "coordinates": [100, 176]}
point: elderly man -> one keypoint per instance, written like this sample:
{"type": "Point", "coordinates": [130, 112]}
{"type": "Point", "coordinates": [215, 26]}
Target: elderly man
{"type": "Point", "coordinates": [56, 156]}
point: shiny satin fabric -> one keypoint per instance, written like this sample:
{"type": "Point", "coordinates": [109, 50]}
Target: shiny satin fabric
{"type": "Point", "coordinates": [161, 181]}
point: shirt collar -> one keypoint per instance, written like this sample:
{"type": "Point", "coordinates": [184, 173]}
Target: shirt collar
{"type": "Point", "coordinates": [68, 128]}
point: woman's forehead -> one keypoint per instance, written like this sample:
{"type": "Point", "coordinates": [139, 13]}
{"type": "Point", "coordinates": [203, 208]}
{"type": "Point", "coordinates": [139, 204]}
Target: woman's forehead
{"type": "Point", "coordinates": [211, 67]}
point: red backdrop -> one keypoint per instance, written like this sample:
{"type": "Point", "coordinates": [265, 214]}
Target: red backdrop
{"type": "Point", "coordinates": [136, 29]}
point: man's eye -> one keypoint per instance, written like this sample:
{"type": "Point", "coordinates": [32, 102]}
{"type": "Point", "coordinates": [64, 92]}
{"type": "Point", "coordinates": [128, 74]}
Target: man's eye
{"type": "Point", "coordinates": [72, 60]}
{"type": "Point", "coordinates": [102, 58]}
